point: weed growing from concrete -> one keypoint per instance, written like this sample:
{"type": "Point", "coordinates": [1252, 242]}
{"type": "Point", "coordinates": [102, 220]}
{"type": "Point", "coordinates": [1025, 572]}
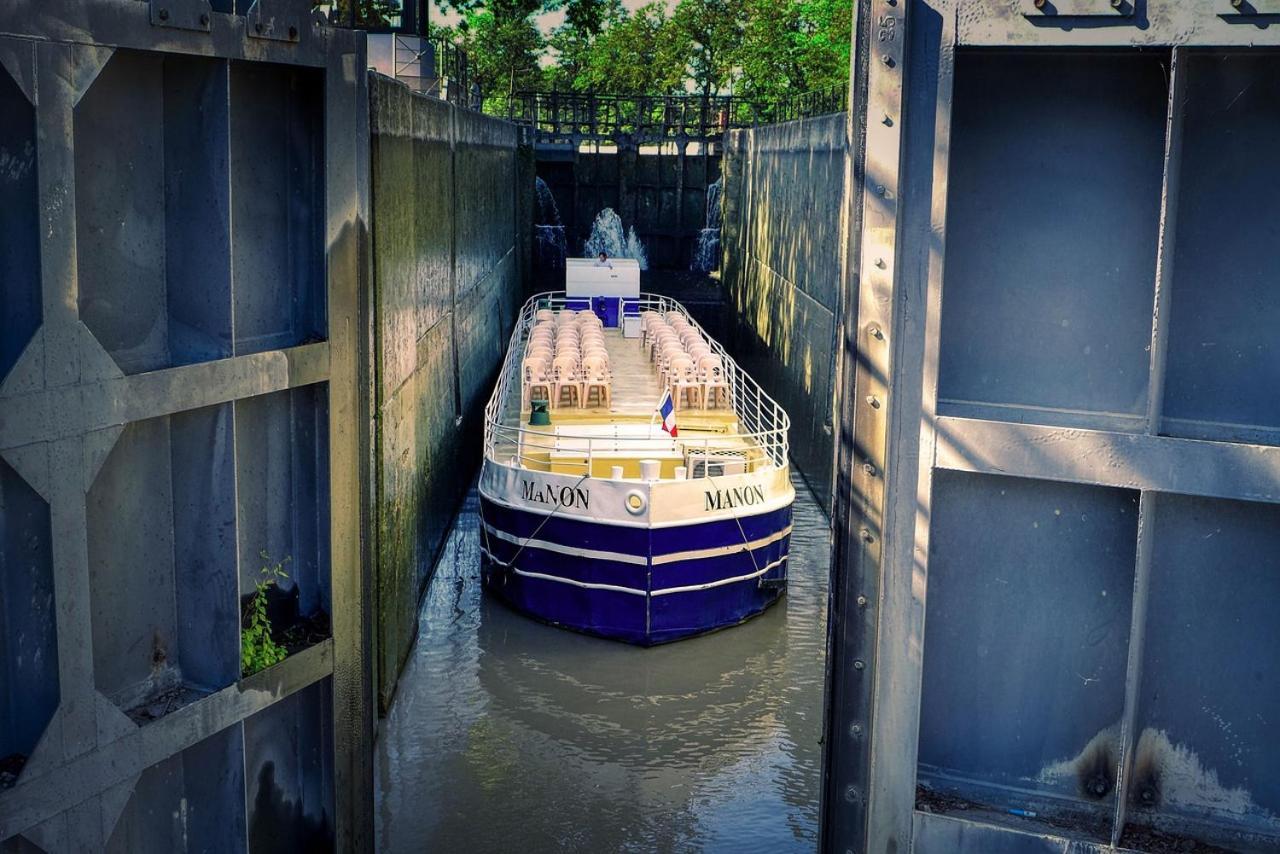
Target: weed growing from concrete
{"type": "Point", "coordinates": [258, 650]}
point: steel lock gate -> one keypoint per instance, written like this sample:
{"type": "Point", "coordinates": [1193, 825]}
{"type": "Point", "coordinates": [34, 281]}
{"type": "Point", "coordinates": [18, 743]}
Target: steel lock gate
{"type": "Point", "coordinates": [1059, 480]}
{"type": "Point", "coordinates": [185, 187]}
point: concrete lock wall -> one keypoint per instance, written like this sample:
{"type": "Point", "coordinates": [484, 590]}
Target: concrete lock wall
{"type": "Point", "coordinates": [783, 208]}
{"type": "Point", "coordinates": [661, 191]}
{"type": "Point", "coordinates": [452, 201]}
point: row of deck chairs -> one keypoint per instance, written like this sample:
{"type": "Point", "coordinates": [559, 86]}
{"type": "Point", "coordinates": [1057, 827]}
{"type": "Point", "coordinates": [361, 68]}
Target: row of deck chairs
{"type": "Point", "coordinates": [686, 363]}
{"type": "Point", "coordinates": [566, 358]}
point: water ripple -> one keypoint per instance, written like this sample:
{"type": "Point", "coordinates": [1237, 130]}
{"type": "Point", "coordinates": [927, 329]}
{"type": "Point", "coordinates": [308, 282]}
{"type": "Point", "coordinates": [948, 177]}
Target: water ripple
{"type": "Point", "coordinates": [507, 733]}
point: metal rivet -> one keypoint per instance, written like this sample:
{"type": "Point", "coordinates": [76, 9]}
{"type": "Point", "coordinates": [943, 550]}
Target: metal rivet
{"type": "Point", "coordinates": [1116, 4]}
{"type": "Point", "coordinates": [851, 794]}
{"type": "Point", "coordinates": [858, 665]}
{"type": "Point", "coordinates": [1237, 3]}
{"type": "Point", "coordinates": [873, 329]}
{"type": "Point", "coordinates": [888, 120]}
{"type": "Point", "coordinates": [293, 32]}
{"type": "Point", "coordinates": [1039, 4]}
{"type": "Point", "coordinates": [888, 60]}
{"type": "Point", "coordinates": [865, 535]}
{"type": "Point", "coordinates": [873, 401]}
{"type": "Point", "coordinates": [164, 14]}
{"type": "Point", "coordinates": [869, 469]}
{"type": "Point", "coordinates": [856, 729]}
{"type": "Point", "coordinates": [880, 262]}
{"type": "Point", "coordinates": [880, 189]}
{"type": "Point", "coordinates": [862, 601]}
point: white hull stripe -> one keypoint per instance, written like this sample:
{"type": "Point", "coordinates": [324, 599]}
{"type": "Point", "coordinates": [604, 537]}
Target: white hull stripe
{"type": "Point", "coordinates": [595, 554]}
{"type": "Point", "coordinates": [636, 560]}
{"type": "Point", "coordinates": [695, 554]}
{"type": "Point", "coordinates": [631, 590]}
{"type": "Point", "coordinates": [720, 581]}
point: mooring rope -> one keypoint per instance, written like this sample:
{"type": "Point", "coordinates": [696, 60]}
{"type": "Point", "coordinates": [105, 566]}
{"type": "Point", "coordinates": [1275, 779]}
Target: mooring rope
{"type": "Point", "coordinates": [746, 543]}
{"type": "Point", "coordinates": [484, 526]}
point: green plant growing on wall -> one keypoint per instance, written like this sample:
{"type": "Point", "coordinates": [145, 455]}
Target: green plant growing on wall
{"type": "Point", "coordinates": [258, 650]}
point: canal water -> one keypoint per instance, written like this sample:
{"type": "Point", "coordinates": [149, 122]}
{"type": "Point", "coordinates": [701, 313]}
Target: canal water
{"type": "Point", "coordinates": [508, 735]}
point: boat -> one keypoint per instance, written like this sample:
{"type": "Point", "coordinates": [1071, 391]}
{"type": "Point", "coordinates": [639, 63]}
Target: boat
{"type": "Point", "coordinates": [636, 481]}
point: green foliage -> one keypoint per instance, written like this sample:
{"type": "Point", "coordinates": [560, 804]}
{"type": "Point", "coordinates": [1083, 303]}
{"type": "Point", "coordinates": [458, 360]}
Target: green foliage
{"type": "Point", "coordinates": [767, 49]}
{"type": "Point", "coordinates": [503, 45]}
{"type": "Point", "coordinates": [258, 650]}
{"type": "Point", "coordinates": [572, 43]}
{"type": "Point", "coordinates": [641, 53]}
{"type": "Point", "coordinates": [713, 30]}
{"type": "Point", "coordinates": [375, 14]}
{"type": "Point", "coordinates": [378, 13]}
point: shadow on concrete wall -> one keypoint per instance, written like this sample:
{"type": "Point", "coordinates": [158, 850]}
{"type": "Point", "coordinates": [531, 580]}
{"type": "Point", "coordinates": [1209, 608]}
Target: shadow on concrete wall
{"type": "Point", "coordinates": [783, 208]}
{"type": "Point", "coordinates": [452, 223]}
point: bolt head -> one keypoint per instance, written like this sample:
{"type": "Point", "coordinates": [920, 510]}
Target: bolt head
{"type": "Point", "coordinates": [204, 19]}
{"type": "Point", "coordinates": [1237, 3]}
{"type": "Point", "coordinates": [293, 32]}
{"type": "Point", "coordinates": [862, 601]}
{"type": "Point", "coordinates": [1039, 4]}
{"type": "Point", "coordinates": [865, 535]}
{"type": "Point", "coordinates": [858, 665]}
{"type": "Point", "coordinates": [869, 469]}
{"type": "Point", "coordinates": [856, 729]}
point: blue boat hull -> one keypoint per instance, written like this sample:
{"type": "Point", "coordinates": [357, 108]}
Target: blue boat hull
{"type": "Point", "coordinates": [642, 585]}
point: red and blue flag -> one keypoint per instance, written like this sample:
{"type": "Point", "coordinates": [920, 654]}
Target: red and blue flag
{"type": "Point", "coordinates": [667, 409]}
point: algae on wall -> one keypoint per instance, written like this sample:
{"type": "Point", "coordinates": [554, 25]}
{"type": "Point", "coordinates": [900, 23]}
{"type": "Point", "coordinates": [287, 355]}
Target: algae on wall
{"type": "Point", "coordinates": [781, 268]}
{"type": "Point", "coordinates": [452, 211]}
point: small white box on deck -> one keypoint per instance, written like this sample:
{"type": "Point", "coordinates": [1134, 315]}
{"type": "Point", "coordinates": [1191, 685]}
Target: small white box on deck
{"type": "Point", "coordinates": [585, 277]}
{"type": "Point", "coordinates": [631, 327]}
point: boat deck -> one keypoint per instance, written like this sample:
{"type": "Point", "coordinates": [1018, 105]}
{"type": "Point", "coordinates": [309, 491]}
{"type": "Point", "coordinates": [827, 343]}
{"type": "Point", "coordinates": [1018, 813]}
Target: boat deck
{"type": "Point", "coordinates": [595, 438]}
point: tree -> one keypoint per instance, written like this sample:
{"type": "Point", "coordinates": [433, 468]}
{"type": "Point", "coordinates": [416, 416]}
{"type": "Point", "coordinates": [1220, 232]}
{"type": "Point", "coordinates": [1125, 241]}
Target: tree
{"type": "Point", "coordinates": [713, 29]}
{"type": "Point", "coordinates": [503, 45]}
{"type": "Point", "coordinates": [824, 35]}
{"type": "Point", "coordinates": [769, 57]}
{"type": "Point", "coordinates": [639, 54]}
{"type": "Point", "coordinates": [793, 47]}
{"type": "Point", "coordinates": [572, 42]}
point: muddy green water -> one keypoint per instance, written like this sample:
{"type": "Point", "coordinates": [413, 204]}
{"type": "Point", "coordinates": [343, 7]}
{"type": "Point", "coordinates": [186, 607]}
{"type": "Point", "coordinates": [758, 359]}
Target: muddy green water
{"type": "Point", "coordinates": [508, 735]}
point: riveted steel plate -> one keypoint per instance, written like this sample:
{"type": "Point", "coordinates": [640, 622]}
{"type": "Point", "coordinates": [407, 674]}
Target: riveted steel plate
{"type": "Point", "coordinates": [1076, 8]}
{"type": "Point", "coordinates": [182, 14]}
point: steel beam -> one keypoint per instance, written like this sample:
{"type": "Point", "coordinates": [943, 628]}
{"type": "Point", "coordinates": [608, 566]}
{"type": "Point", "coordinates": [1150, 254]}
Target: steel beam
{"type": "Point", "coordinates": [1128, 460]}
{"type": "Point", "coordinates": [869, 335]}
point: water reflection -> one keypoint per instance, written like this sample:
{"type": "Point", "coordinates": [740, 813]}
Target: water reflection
{"type": "Point", "coordinates": [506, 733]}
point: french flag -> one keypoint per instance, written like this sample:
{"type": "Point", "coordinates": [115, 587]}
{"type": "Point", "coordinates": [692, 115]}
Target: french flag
{"type": "Point", "coordinates": [667, 409]}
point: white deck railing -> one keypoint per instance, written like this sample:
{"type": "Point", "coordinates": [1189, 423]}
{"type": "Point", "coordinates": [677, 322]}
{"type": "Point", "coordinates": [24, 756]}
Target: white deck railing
{"type": "Point", "coordinates": [762, 423]}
